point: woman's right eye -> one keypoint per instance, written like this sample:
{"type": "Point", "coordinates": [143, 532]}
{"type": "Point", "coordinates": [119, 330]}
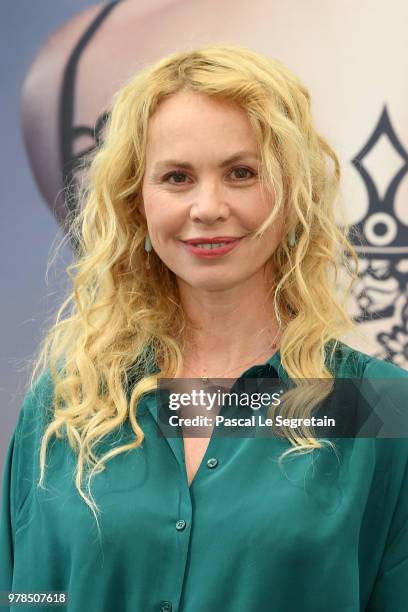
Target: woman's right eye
{"type": "Point", "coordinates": [174, 174]}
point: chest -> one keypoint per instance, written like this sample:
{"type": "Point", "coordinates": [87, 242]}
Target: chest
{"type": "Point", "coordinates": [194, 451]}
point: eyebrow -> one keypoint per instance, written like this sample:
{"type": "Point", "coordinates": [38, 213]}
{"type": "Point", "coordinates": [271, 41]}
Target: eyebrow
{"type": "Point", "coordinates": [183, 164]}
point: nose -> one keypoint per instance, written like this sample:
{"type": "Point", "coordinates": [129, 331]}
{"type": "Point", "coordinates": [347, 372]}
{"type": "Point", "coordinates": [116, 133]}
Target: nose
{"type": "Point", "coordinates": [209, 204]}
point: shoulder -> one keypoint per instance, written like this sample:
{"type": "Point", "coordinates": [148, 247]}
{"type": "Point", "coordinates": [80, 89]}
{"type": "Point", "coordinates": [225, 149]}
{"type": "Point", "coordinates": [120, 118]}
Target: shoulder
{"type": "Point", "coordinates": [383, 391]}
{"type": "Point", "coordinates": [383, 382]}
{"type": "Point", "coordinates": [37, 404]}
{"type": "Point", "coordinates": [350, 362]}
{"type": "Point", "coordinates": [35, 413]}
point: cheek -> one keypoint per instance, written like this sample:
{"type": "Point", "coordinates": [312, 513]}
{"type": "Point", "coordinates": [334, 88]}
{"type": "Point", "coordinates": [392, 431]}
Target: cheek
{"type": "Point", "coordinates": [273, 236]}
{"type": "Point", "coordinates": [257, 207]}
{"type": "Point", "coordinates": [164, 216]}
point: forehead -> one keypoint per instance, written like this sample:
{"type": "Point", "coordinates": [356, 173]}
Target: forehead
{"type": "Point", "coordinates": [191, 118]}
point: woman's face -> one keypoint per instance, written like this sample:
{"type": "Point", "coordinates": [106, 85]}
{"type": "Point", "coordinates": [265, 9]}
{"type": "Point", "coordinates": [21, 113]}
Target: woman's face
{"type": "Point", "coordinates": [201, 181]}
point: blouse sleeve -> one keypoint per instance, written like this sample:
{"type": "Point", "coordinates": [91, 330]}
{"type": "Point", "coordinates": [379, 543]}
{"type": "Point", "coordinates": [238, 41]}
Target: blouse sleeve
{"type": "Point", "coordinates": [391, 586]}
{"type": "Point", "coordinates": [7, 514]}
{"type": "Point", "coordinates": [19, 473]}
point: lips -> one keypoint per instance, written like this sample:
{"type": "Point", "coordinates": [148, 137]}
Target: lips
{"type": "Point", "coordinates": [220, 246]}
{"type": "Point", "coordinates": [216, 239]}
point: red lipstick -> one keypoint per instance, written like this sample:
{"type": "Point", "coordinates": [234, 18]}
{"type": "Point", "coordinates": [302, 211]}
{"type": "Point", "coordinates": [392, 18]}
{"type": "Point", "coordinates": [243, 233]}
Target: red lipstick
{"type": "Point", "coordinates": [199, 246]}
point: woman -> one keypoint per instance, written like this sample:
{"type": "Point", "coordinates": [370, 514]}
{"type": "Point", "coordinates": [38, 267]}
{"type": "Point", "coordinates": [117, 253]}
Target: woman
{"type": "Point", "coordinates": [215, 145]}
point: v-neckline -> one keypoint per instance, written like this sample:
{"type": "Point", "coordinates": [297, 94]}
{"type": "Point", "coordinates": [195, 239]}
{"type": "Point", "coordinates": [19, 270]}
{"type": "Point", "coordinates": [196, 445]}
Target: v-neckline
{"type": "Point", "coordinates": [176, 443]}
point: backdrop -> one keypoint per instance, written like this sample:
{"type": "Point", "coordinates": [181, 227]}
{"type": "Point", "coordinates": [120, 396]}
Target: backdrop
{"type": "Point", "coordinates": [62, 61]}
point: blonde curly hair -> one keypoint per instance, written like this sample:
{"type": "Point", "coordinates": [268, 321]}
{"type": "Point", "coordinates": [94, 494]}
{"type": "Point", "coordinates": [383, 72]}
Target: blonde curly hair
{"type": "Point", "coordinates": [122, 321]}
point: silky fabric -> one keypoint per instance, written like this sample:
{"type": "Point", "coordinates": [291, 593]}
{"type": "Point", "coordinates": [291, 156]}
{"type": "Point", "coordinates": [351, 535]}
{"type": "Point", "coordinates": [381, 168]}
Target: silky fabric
{"type": "Point", "coordinates": [323, 532]}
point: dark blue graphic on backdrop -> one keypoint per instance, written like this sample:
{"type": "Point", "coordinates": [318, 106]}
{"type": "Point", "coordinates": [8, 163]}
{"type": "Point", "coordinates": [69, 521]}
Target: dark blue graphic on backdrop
{"type": "Point", "coordinates": [69, 161]}
{"type": "Point", "coordinates": [382, 242]}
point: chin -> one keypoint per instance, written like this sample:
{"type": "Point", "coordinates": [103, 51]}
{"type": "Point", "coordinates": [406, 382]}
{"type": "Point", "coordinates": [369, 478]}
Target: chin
{"type": "Point", "coordinates": [211, 283]}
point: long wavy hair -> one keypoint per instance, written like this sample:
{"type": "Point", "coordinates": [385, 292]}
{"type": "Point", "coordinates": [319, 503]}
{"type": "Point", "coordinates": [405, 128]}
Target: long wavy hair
{"type": "Point", "coordinates": [121, 320]}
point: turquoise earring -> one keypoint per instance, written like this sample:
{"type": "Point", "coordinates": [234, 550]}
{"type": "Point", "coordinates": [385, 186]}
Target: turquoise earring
{"type": "Point", "coordinates": [292, 238]}
{"type": "Point", "coordinates": [148, 248]}
{"type": "Point", "coordinates": [148, 244]}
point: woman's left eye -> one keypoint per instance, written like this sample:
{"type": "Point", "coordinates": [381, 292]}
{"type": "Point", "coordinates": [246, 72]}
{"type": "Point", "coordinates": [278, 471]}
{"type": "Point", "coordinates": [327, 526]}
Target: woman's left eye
{"type": "Point", "coordinates": [243, 169]}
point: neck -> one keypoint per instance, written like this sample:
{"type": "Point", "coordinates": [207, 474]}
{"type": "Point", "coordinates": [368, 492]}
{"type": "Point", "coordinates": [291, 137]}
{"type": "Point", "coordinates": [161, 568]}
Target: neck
{"type": "Point", "coordinates": [227, 328]}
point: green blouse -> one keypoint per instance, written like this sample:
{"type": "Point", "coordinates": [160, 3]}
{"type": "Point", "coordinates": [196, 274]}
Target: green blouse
{"type": "Point", "coordinates": [325, 534]}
